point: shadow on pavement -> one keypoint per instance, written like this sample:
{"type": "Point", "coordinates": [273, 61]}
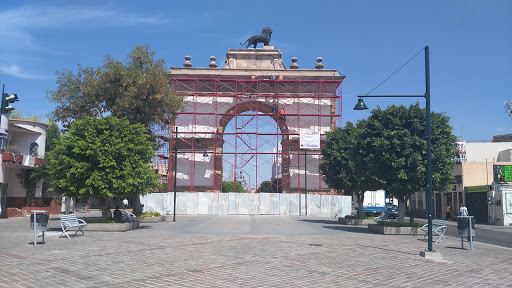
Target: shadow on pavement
{"type": "Point", "coordinates": [354, 229]}
{"type": "Point", "coordinates": [390, 250]}
{"type": "Point", "coordinates": [457, 248]}
{"type": "Point", "coordinates": [141, 227]}
{"type": "Point", "coordinates": [323, 221]}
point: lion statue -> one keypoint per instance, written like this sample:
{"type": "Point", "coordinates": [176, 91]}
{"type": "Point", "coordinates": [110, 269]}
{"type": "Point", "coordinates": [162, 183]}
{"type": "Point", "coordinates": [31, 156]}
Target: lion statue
{"type": "Point", "coordinates": [263, 37]}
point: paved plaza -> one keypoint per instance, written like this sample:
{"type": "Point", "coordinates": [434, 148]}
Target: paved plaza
{"type": "Point", "coordinates": [243, 251]}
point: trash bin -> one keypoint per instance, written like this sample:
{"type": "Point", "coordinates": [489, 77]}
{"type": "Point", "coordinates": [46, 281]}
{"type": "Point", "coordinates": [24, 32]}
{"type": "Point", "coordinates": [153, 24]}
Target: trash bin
{"type": "Point", "coordinates": [41, 222]}
{"type": "Point", "coordinates": [463, 225]}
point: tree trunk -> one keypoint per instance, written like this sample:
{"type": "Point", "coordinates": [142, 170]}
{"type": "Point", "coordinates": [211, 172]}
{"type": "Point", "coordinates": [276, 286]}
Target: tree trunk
{"type": "Point", "coordinates": [106, 204]}
{"type": "Point", "coordinates": [401, 209]}
{"type": "Point", "coordinates": [360, 203]}
{"type": "Point", "coordinates": [136, 205]}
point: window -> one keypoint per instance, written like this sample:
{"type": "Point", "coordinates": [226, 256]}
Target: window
{"type": "Point", "coordinates": [3, 194]}
{"type": "Point", "coordinates": [3, 141]}
{"type": "Point", "coordinates": [421, 196]}
{"type": "Point", "coordinates": [34, 147]}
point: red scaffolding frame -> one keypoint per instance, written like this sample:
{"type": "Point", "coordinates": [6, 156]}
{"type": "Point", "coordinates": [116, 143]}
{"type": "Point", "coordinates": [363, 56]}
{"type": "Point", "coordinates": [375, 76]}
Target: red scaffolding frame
{"type": "Point", "coordinates": [233, 121]}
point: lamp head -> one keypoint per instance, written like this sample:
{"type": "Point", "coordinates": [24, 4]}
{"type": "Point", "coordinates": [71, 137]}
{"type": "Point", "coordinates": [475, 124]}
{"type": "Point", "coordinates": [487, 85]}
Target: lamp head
{"type": "Point", "coordinates": [360, 104]}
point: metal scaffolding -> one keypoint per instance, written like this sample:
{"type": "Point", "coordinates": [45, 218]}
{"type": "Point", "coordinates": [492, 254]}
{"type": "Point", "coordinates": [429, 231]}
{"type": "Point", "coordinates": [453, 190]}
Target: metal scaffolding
{"type": "Point", "coordinates": [239, 129]}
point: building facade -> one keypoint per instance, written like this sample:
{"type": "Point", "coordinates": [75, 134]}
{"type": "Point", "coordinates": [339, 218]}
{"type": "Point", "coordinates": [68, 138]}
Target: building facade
{"type": "Point", "coordinates": [473, 179]}
{"type": "Point", "coordinates": [25, 149]}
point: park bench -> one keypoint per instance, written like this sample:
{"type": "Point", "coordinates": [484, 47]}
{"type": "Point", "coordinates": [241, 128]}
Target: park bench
{"type": "Point", "coordinates": [70, 221]}
{"type": "Point", "coordinates": [438, 227]}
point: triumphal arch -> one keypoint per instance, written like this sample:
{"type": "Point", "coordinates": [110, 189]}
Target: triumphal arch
{"type": "Point", "coordinates": [250, 120]}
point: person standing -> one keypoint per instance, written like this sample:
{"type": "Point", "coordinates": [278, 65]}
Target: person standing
{"type": "Point", "coordinates": [448, 212]}
{"type": "Point", "coordinates": [125, 203]}
{"type": "Point", "coordinates": [463, 211]}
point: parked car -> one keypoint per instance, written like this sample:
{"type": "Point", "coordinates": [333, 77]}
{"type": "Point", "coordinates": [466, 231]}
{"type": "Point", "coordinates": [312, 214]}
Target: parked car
{"type": "Point", "coordinates": [391, 211]}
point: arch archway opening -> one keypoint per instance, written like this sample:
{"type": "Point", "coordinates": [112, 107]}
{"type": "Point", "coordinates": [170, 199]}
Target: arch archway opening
{"type": "Point", "coordinates": [252, 153]}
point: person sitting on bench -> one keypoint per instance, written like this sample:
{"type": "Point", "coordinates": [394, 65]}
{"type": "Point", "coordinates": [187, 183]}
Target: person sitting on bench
{"type": "Point", "coordinates": [118, 215]}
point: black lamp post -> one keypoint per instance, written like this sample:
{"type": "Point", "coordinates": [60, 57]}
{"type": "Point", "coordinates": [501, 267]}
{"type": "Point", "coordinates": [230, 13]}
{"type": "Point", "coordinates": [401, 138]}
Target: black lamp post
{"type": "Point", "coordinates": [362, 106]}
{"type": "Point", "coordinates": [205, 154]}
{"type": "Point", "coordinates": [175, 172]}
{"type": "Point", "coordinates": [306, 180]}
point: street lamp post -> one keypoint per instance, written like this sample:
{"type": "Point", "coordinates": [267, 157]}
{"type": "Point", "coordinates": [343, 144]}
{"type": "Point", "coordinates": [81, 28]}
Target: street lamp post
{"type": "Point", "coordinates": [248, 184]}
{"type": "Point", "coordinates": [361, 106]}
{"type": "Point", "coordinates": [306, 181]}
{"type": "Point", "coordinates": [175, 172]}
{"type": "Point", "coordinates": [205, 154]}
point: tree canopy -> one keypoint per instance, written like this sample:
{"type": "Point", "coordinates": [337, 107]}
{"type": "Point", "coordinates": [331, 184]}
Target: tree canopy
{"type": "Point", "coordinates": [338, 160]}
{"type": "Point", "coordinates": [103, 158]}
{"type": "Point", "coordinates": [136, 89]}
{"type": "Point", "coordinates": [395, 141]}
{"type": "Point", "coordinates": [341, 164]}
{"type": "Point", "coordinates": [227, 186]}
{"type": "Point", "coordinates": [508, 107]}
{"type": "Point", "coordinates": [17, 115]}
{"type": "Point", "coordinates": [388, 151]}
{"type": "Point", "coordinates": [270, 186]}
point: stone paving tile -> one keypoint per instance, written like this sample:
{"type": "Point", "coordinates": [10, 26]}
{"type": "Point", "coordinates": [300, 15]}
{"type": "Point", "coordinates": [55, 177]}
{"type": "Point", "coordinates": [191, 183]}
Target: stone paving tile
{"type": "Point", "coordinates": [243, 251]}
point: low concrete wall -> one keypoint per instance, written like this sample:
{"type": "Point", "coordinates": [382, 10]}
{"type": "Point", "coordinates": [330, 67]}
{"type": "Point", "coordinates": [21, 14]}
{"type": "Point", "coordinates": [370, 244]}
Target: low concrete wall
{"type": "Point", "coordinates": [346, 221]}
{"type": "Point", "coordinates": [151, 219]}
{"type": "Point", "coordinates": [210, 203]}
{"type": "Point", "coordinates": [111, 227]}
{"type": "Point", "coordinates": [395, 230]}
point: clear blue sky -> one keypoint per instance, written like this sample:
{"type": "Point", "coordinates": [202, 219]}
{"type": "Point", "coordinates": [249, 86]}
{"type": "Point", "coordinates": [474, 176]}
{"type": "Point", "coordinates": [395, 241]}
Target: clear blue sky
{"type": "Point", "coordinates": [470, 46]}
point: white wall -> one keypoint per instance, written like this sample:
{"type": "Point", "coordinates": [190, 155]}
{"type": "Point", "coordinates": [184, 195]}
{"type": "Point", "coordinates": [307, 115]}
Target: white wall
{"type": "Point", "coordinates": [479, 152]}
{"type": "Point", "coordinates": [210, 203]}
{"type": "Point", "coordinates": [501, 214]}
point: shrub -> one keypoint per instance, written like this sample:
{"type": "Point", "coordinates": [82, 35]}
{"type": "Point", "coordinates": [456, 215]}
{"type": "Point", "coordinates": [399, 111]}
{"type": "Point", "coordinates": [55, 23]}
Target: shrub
{"type": "Point", "coordinates": [150, 214]}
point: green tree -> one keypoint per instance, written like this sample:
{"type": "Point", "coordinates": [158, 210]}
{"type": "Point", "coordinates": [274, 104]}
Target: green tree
{"type": "Point", "coordinates": [52, 136]}
{"type": "Point", "coordinates": [341, 165]}
{"type": "Point", "coordinates": [17, 115]}
{"type": "Point", "coordinates": [275, 188]}
{"type": "Point", "coordinates": [508, 107]}
{"type": "Point", "coordinates": [103, 158]}
{"type": "Point", "coordinates": [394, 145]}
{"type": "Point", "coordinates": [265, 187]}
{"type": "Point", "coordinates": [270, 186]}
{"type": "Point", "coordinates": [227, 186]}
{"type": "Point", "coordinates": [137, 89]}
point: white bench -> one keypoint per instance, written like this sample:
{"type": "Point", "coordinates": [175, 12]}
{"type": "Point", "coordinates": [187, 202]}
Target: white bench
{"type": "Point", "coordinates": [70, 221]}
{"type": "Point", "coordinates": [438, 227]}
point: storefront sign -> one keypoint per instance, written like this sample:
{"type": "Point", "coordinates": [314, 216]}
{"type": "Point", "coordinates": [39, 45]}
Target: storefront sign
{"type": "Point", "coordinates": [502, 173]}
